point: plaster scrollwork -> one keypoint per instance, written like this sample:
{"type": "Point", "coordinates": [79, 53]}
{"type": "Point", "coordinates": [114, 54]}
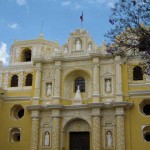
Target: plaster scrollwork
{"type": "Point", "coordinates": [78, 125]}
{"type": "Point", "coordinates": [108, 117]}
{"type": "Point", "coordinates": [107, 70]}
{"type": "Point", "coordinates": [1, 79]}
{"type": "Point", "coordinates": [21, 78]}
{"type": "Point", "coordinates": [6, 80]}
{"type": "Point", "coordinates": [17, 55]}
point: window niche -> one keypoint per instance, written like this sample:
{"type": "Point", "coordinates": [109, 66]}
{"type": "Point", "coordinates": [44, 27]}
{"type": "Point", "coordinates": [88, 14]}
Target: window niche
{"type": "Point", "coordinates": [137, 73]}
{"type": "Point", "coordinates": [29, 80]}
{"type": "Point", "coordinates": [79, 81]}
{"type": "Point", "coordinates": [14, 135]}
{"type": "Point", "coordinates": [14, 81]}
{"type": "Point", "coordinates": [146, 133]}
{"type": "Point", "coordinates": [145, 107]}
{"type": "Point", "coordinates": [17, 112]}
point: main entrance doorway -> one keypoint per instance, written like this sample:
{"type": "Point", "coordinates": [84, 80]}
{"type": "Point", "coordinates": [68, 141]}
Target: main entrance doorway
{"type": "Point", "coordinates": [79, 141]}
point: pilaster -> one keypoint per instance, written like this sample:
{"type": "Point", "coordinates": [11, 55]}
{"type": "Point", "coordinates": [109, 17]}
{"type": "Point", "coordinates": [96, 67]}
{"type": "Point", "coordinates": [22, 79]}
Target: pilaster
{"type": "Point", "coordinates": [35, 129]}
{"type": "Point", "coordinates": [96, 74]}
{"type": "Point", "coordinates": [96, 129]}
{"type": "Point", "coordinates": [120, 137]}
{"type": "Point", "coordinates": [37, 93]}
{"type": "Point", "coordinates": [57, 83]}
{"type": "Point", "coordinates": [56, 129]}
{"type": "Point", "coordinates": [118, 79]}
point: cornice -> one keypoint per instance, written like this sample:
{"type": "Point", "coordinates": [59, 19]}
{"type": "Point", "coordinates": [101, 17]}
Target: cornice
{"type": "Point", "coordinates": [101, 105]}
{"type": "Point", "coordinates": [138, 92]}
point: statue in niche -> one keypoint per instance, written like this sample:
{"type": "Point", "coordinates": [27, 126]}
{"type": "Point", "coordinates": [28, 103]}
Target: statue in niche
{"type": "Point", "coordinates": [78, 45]}
{"type": "Point", "coordinates": [108, 86]}
{"type": "Point", "coordinates": [90, 47]}
{"type": "Point", "coordinates": [46, 139]}
{"type": "Point", "coordinates": [49, 89]}
{"type": "Point", "coordinates": [109, 139]}
{"type": "Point", "coordinates": [65, 49]}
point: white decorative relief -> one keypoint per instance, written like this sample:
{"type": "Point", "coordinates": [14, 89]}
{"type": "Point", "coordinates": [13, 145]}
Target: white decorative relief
{"type": "Point", "coordinates": [21, 78]}
{"type": "Point", "coordinates": [6, 79]}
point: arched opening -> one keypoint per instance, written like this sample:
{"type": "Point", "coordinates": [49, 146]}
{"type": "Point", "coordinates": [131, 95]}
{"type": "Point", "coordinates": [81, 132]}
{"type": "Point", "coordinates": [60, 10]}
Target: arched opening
{"type": "Point", "coordinates": [75, 78]}
{"type": "Point", "coordinates": [79, 81]}
{"type": "Point", "coordinates": [145, 107]}
{"type": "Point", "coordinates": [15, 135]}
{"type": "Point", "coordinates": [26, 55]}
{"type": "Point", "coordinates": [77, 134]}
{"type": "Point", "coordinates": [146, 133]}
{"type": "Point", "coordinates": [137, 73]}
{"type": "Point", "coordinates": [17, 112]}
{"type": "Point", "coordinates": [28, 80]}
{"type": "Point", "coordinates": [14, 81]}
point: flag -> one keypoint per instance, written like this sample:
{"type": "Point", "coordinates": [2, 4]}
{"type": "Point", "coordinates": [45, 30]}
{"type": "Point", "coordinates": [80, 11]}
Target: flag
{"type": "Point", "coordinates": [111, 21]}
{"type": "Point", "coordinates": [81, 17]}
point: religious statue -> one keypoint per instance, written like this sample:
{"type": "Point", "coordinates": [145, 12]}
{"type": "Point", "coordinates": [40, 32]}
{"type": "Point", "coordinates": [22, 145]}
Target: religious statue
{"type": "Point", "coordinates": [109, 139]}
{"type": "Point", "coordinates": [46, 139]}
{"type": "Point", "coordinates": [65, 49]}
{"type": "Point", "coordinates": [78, 98]}
{"type": "Point", "coordinates": [78, 45]}
{"type": "Point", "coordinates": [108, 86]}
{"type": "Point", "coordinates": [49, 89]}
{"type": "Point", "coordinates": [89, 47]}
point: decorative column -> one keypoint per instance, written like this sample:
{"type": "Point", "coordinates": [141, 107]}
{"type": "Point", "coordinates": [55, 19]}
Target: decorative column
{"type": "Point", "coordinates": [57, 82]}
{"type": "Point", "coordinates": [120, 137]}
{"type": "Point", "coordinates": [56, 130]}
{"type": "Point", "coordinates": [96, 129]}
{"type": "Point", "coordinates": [35, 130]}
{"type": "Point", "coordinates": [37, 83]}
{"type": "Point", "coordinates": [96, 74]}
{"type": "Point", "coordinates": [118, 79]}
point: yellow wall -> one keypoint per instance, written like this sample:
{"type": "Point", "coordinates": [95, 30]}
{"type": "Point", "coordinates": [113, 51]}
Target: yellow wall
{"type": "Point", "coordinates": [7, 122]}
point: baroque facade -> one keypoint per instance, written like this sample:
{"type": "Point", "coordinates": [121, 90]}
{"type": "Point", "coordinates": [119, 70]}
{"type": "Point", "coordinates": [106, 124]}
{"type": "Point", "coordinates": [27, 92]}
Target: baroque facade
{"type": "Point", "coordinates": [72, 97]}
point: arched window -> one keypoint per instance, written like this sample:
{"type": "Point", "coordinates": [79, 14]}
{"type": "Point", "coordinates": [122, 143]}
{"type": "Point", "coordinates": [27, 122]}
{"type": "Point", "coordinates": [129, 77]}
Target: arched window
{"type": "Point", "coordinates": [26, 55]}
{"type": "Point", "coordinates": [137, 73]}
{"type": "Point", "coordinates": [28, 80]}
{"type": "Point", "coordinates": [14, 135]}
{"type": "Point", "coordinates": [14, 81]}
{"type": "Point", "coordinates": [80, 81]}
{"type": "Point", "coordinates": [146, 133]}
{"type": "Point", "coordinates": [144, 44]}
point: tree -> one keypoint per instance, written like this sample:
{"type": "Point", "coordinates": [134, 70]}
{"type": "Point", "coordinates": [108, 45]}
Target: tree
{"type": "Point", "coordinates": [130, 33]}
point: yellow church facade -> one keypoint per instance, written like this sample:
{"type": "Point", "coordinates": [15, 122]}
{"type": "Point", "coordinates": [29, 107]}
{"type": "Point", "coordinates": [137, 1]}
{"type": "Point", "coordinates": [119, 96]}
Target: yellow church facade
{"type": "Point", "coordinates": [72, 97]}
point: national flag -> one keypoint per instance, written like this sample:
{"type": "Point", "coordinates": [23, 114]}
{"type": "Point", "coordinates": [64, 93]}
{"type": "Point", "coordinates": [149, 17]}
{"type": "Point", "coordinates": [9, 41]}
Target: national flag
{"type": "Point", "coordinates": [111, 21]}
{"type": "Point", "coordinates": [81, 17]}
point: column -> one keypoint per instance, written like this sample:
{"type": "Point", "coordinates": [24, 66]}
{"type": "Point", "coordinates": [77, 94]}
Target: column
{"type": "Point", "coordinates": [120, 137]}
{"type": "Point", "coordinates": [57, 82]}
{"type": "Point", "coordinates": [96, 129]}
{"type": "Point", "coordinates": [118, 79]}
{"type": "Point", "coordinates": [35, 130]}
{"type": "Point", "coordinates": [56, 130]}
{"type": "Point", "coordinates": [96, 74]}
{"type": "Point", "coordinates": [37, 82]}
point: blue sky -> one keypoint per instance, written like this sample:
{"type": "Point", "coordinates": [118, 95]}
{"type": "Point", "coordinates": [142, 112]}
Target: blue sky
{"type": "Point", "coordinates": [22, 20]}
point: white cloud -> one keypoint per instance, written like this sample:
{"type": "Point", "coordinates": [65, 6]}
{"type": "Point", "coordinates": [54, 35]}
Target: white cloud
{"type": "Point", "coordinates": [66, 3]}
{"type": "Point", "coordinates": [3, 53]}
{"type": "Point", "coordinates": [21, 2]}
{"type": "Point", "coordinates": [13, 26]}
{"type": "Point", "coordinates": [78, 4]}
